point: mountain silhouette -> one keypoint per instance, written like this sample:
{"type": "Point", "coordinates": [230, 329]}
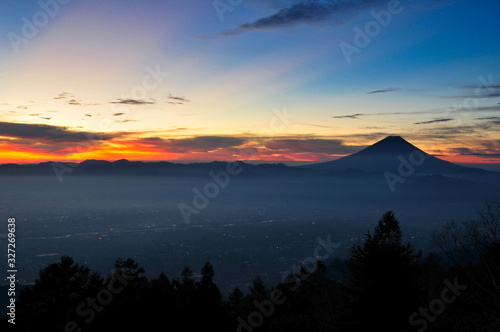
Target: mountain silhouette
{"type": "Point", "coordinates": [393, 154]}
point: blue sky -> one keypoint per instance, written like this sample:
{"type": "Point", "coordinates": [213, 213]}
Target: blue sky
{"type": "Point", "coordinates": [177, 80]}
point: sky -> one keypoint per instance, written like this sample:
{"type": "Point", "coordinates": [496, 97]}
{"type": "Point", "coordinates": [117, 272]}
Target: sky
{"type": "Point", "coordinates": [263, 80]}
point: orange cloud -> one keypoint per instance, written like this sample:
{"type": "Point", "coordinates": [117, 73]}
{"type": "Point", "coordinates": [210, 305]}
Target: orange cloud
{"type": "Point", "coordinates": [32, 143]}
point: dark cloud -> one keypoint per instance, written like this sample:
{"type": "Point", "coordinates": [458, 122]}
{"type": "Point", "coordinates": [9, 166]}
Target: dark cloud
{"type": "Point", "coordinates": [118, 114]}
{"type": "Point", "coordinates": [45, 118]}
{"type": "Point", "coordinates": [461, 151]}
{"type": "Point", "coordinates": [492, 108]}
{"type": "Point", "coordinates": [72, 100]}
{"type": "Point", "coordinates": [450, 111]}
{"type": "Point", "coordinates": [336, 12]}
{"type": "Point", "coordinates": [350, 116]}
{"type": "Point", "coordinates": [433, 121]}
{"type": "Point", "coordinates": [177, 100]}
{"type": "Point", "coordinates": [486, 155]}
{"type": "Point", "coordinates": [489, 85]}
{"type": "Point", "coordinates": [63, 95]}
{"type": "Point", "coordinates": [55, 133]}
{"type": "Point", "coordinates": [132, 102]}
{"type": "Point", "coordinates": [357, 115]}
{"type": "Point", "coordinates": [490, 119]}
{"type": "Point", "coordinates": [486, 88]}
{"type": "Point", "coordinates": [328, 146]}
{"type": "Point", "coordinates": [488, 150]}
{"type": "Point", "coordinates": [479, 95]}
{"type": "Point", "coordinates": [383, 91]}
{"type": "Point", "coordinates": [198, 144]}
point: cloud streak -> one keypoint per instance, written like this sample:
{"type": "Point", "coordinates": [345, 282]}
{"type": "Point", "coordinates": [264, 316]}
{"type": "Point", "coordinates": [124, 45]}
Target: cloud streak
{"type": "Point", "coordinates": [132, 102]}
{"type": "Point", "coordinates": [443, 111]}
{"type": "Point", "coordinates": [336, 12]}
{"type": "Point", "coordinates": [49, 132]}
{"type": "Point", "coordinates": [71, 100]}
{"type": "Point", "coordinates": [177, 100]}
{"type": "Point", "coordinates": [348, 116]}
{"type": "Point", "coordinates": [383, 91]}
{"type": "Point", "coordinates": [197, 144]}
{"type": "Point", "coordinates": [433, 121]}
{"type": "Point", "coordinates": [326, 146]}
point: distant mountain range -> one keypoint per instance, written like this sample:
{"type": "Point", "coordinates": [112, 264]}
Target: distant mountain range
{"type": "Point", "coordinates": [392, 154]}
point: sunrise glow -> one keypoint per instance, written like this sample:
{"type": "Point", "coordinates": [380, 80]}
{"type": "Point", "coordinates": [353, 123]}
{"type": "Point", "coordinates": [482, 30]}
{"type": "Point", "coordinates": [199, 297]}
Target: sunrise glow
{"type": "Point", "coordinates": [185, 82]}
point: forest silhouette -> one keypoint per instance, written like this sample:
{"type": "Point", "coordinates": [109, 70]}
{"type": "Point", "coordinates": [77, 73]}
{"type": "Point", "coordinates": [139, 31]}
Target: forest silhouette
{"type": "Point", "coordinates": [385, 284]}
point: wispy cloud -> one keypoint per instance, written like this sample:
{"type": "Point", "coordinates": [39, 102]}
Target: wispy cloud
{"type": "Point", "coordinates": [433, 121]}
{"type": "Point", "coordinates": [327, 146]}
{"type": "Point", "coordinates": [74, 102]}
{"type": "Point", "coordinates": [383, 91]}
{"type": "Point", "coordinates": [486, 89]}
{"type": "Point", "coordinates": [198, 144]}
{"type": "Point", "coordinates": [486, 149]}
{"type": "Point", "coordinates": [49, 132]}
{"type": "Point", "coordinates": [490, 119]}
{"type": "Point", "coordinates": [132, 102]}
{"type": "Point", "coordinates": [348, 116]}
{"type": "Point", "coordinates": [447, 111]}
{"type": "Point", "coordinates": [71, 100]}
{"type": "Point", "coordinates": [481, 95]}
{"type": "Point", "coordinates": [63, 95]}
{"type": "Point", "coordinates": [177, 100]}
{"type": "Point", "coordinates": [335, 12]}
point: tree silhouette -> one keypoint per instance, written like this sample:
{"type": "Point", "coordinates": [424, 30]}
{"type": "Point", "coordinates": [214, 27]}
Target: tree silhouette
{"type": "Point", "coordinates": [378, 288]}
{"type": "Point", "coordinates": [52, 301]}
{"type": "Point", "coordinates": [474, 248]}
{"type": "Point", "coordinates": [383, 277]}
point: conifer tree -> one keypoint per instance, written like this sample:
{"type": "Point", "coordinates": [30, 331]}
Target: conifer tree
{"type": "Point", "coordinates": [383, 278]}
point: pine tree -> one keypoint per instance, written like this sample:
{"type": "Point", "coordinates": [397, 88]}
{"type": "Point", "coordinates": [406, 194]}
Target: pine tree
{"type": "Point", "coordinates": [383, 278]}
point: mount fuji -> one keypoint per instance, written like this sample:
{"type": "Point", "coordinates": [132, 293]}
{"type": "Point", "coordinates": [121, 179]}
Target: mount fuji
{"type": "Point", "coordinates": [391, 154]}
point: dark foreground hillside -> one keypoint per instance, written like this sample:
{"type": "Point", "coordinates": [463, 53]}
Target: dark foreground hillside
{"type": "Point", "coordinates": [384, 285]}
